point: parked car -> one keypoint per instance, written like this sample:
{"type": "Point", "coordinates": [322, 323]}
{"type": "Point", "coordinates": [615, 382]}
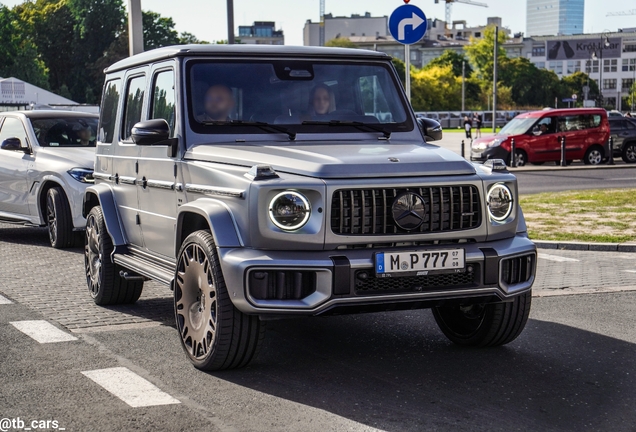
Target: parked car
{"type": "Point", "coordinates": [46, 163]}
{"type": "Point", "coordinates": [623, 132]}
{"type": "Point", "coordinates": [260, 182]}
{"type": "Point", "coordinates": [538, 135]}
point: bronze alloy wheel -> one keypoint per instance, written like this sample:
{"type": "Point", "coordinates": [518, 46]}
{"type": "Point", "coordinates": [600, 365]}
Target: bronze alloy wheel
{"type": "Point", "coordinates": [195, 301]}
{"type": "Point", "coordinates": [93, 255]}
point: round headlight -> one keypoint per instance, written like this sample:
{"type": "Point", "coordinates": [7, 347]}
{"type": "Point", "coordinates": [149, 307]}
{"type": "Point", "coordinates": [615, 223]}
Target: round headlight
{"type": "Point", "coordinates": [499, 202]}
{"type": "Point", "coordinates": [289, 210]}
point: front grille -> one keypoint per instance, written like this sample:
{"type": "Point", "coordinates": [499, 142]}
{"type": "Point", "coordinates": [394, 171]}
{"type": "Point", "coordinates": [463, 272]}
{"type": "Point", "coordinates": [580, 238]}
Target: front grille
{"type": "Point", "coordinates": [369, 211]}
{"type": "Point", "coordinates": [366, 283]}
{"type": "Point", "coordinates": [517, 270]}
{"type": "Point", "coordinates": [281, 284]}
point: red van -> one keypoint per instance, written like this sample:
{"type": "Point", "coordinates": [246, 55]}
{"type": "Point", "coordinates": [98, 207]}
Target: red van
{"type": "Point", "coordinates": [537, 136]}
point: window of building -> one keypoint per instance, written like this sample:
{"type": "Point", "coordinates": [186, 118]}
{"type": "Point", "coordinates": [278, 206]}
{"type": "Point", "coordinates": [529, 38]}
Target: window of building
{"type": "Point", "coordinates": [591, 66]}
{"type": "Point", "coordinates": [557, 67]}
{"type": "Point", "coordinates": [574, 66]}
{"type": "Point", "coordinates": [627, 83]}
{"type": "Point", "coordinates": [538, 51]}
{"type": "Point", "coordinates": [630, 47]}
{"type": "Point", "coordinates": [609, 84]}
{"type": "Point", "coordinates": [540, 65]}
{"type": "Point", "coordinates": [629, 65]}
{"type": "Point", "coordinates": [413, 55]}
{"type": "Point", "coordinates": [610, 65]}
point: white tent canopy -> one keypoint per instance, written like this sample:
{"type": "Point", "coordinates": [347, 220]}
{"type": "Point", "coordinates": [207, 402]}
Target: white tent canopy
{"type": "Point", "coordinates": [17, 92]}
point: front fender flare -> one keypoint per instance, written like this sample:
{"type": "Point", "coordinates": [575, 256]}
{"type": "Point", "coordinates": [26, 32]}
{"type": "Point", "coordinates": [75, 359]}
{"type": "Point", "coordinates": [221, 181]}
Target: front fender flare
{"type": "Point", "coordinates": [104, 195]}
{"type": "Point", "coordinates": [219, 219]}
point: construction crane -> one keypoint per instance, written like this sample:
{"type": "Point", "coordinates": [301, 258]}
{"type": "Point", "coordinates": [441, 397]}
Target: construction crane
{"type": "Point", "coordinates": [449, 5]}
{"type": "Point", "coordinates": [622, 13]}
{"type": "Point", "coordinates": [321, 37]}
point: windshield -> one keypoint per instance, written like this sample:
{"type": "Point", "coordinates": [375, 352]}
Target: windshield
{"type": "Point", "coordinates": [518, 126]}
{"type": "Point", "coordinates": [300, 96]}
{"type": "Point", "coordinates": [65, 131]}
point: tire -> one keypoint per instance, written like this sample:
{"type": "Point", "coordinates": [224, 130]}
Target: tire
{"type": "Point", "coordinates": [521, 158]}
{"type": "Point", "coordinates": [105, 284]}
{"type": "Point", "coordinates": [629, 152]}
{"type": "Point", "coordinates": [594, 155]}
{"type": "Point", "coordinates": [214, 334]}
{"type": "Point", "coordinates": [483, 325]}
{"type": "Point", "coordinates": [59, 219]}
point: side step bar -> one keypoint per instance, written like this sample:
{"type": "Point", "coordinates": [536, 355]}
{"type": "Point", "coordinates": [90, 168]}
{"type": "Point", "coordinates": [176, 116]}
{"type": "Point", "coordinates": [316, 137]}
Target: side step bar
{"type": "Point", "coordinates": [159, 272]}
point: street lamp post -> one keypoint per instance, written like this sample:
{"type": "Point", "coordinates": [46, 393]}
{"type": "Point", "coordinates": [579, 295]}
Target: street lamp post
{"type": "Point", "coordinates": [604, 43]}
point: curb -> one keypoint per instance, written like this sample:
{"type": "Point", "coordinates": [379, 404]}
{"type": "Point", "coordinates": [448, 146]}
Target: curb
{"type": "Point", "coordinates": [570, 168]}
{"type": "Point", "coordinates": [596, 247]}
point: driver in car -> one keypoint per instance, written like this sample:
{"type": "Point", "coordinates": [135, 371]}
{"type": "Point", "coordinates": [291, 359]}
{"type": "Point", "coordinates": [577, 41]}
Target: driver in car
{"type": "Point", "coordinates": [218, 103]}
{"type": "Point", "coordinates": [322, 100]}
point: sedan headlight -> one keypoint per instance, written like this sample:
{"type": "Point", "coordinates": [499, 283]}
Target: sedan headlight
{"type": "Point", "coordinates": [496, 142]}
{"type": "Point", "coordinates": [82, 175]}
{"type": "Point", "coordinates": [499, 202]}
{"type": "Point", "coordinates": [289, 210]}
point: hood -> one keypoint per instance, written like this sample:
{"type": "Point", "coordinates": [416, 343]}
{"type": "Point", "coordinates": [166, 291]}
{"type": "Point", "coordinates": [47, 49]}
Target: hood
{"type": "Point", "coordinates": [75, 157]}
{"type": "Point", "coordinates": [485, 142]}
{"type": "Point", "coordinates": [330, 160]}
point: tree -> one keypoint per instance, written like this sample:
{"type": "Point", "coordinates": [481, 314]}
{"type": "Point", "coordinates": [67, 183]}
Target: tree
{"type": "Point", "coordinates": [189, 38]}
{"type": "Point", "coordinates": [341, 43]}
{"type": "Point", "coordinates": [158, 31]}
{"type": "Point", "coordinates": [435, 89]}
{"type": "Point", "coordinates": [400, 68]}
{"type": "Point", "coordinates": [18, 54]}
{"type": "Point", "coordinates": [481, 53]}
{"type": "Point", "coordinates": [573, 84]}
{"type": "Point", "coordinates": [455, 60]}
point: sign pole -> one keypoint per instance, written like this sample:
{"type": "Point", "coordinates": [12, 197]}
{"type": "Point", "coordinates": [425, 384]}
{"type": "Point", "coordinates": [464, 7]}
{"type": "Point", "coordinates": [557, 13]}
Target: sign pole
{"type": "Point", "coordinates": [407, 72]}
{"type": "Point", "coordinates": [135, 28]}
{"type": "Point", "coordinates": [494, 81]}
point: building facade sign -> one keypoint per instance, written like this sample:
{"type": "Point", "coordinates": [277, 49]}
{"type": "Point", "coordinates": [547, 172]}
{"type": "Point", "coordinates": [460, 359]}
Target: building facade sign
{"type": "Point", "coordinates": [582, 49]}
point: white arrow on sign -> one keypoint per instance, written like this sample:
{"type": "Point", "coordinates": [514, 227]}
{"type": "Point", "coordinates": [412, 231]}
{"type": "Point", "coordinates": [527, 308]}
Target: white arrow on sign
{"type": "Point", "coordinates": [415, 21]}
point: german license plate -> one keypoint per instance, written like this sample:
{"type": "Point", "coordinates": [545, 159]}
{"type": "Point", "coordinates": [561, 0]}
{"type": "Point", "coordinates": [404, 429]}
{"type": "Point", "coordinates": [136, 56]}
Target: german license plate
{"type": "Point", "coordinates": [419, 263]}
{"type": "Point", "coordinates": [476, 155]}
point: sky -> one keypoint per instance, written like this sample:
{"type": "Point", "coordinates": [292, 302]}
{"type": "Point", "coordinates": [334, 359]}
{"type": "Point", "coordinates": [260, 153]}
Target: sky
{"type": "Point", "coordinates": [207, 19]}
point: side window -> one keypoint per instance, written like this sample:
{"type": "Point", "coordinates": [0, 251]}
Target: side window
{"type": "Point", "coordinates": [134, 105]}
{"type": "Point", "coordinates": [13, 128]}
{"type": "Point", "coordinates": [163, 99]}
{"type": "Point", "coordinates": [544, 126]}
{"type": "Point", "coordinates": [110, 102]}
{"type": "Point", "coordinates": [596, 121]}
{"type": "Point", "coordinates": [630, 125]}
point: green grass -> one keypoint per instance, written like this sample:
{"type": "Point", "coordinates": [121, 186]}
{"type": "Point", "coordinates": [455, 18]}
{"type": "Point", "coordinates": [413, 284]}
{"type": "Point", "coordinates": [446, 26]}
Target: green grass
{"type": "Point", "coordinates": [607, 216]}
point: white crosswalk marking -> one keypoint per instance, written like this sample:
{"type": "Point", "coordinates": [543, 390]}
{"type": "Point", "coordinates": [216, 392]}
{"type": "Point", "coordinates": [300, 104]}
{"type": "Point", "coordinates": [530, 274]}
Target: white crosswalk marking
{"type": "Point", "coordinates": [4, 300]}
{"type": "Point", "coordinates": [556, 258]}
{"type": "Point", "coordinates": [130, 387]}
{"type": "Point", "coordinates": [42, 331]}
{"type": "Point", "coordinates": [629, 271]}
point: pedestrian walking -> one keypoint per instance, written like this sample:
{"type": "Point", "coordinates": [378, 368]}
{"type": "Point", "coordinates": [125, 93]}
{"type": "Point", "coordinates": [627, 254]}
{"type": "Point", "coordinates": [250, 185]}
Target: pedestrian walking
{"type": "Point", "coordinates": [468, 125]}
{"type": "Point", "coordinates": [478, 122]}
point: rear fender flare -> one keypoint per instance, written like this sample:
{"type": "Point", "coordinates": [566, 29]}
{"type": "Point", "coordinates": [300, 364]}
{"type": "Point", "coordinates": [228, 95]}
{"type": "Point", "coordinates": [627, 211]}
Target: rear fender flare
{"type": "Point", "coordinates": [103, 195]}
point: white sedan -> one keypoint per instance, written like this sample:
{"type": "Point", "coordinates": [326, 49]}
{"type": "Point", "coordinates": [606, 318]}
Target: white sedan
{"type": "Point", "coordinates": [46, 163]}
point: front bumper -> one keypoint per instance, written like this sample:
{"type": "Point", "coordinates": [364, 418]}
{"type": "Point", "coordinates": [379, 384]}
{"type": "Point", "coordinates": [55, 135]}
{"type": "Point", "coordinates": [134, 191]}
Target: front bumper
{"type": "Point", "coordinates": [339, 283]}
{"type": "Point", "coordinates": [489, 153]}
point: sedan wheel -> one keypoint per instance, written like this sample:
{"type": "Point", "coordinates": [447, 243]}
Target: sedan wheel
{"type": "Point", "coordinates": [59, 219]}
{"type": "Point", "coordinates": [629, 152]}
{"type": "Point", "coordinates": [594, 156]}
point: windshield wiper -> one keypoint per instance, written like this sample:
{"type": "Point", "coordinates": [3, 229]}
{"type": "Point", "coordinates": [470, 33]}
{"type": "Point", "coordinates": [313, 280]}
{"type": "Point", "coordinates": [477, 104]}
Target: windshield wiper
{"type": "Point", "coordinates": [361, 126]}
{"type": "Point", "coordinates": [267, 127]}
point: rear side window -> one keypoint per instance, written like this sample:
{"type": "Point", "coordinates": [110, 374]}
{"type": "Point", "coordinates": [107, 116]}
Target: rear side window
{"type": "Point", "coordinates": [163, 99]}
{"type": "Point", "coordinates": [134, 105]}
{"type": "Point", "coordinates": [110, 102]}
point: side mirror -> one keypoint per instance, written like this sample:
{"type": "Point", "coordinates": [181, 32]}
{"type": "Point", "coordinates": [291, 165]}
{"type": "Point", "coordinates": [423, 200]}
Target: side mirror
{"type": "Point", "coordinates": [151, 132]}
{"type": "Point", "coordinates": [431, 129]}
{"type": "Point", "coordinates": [13, 144]}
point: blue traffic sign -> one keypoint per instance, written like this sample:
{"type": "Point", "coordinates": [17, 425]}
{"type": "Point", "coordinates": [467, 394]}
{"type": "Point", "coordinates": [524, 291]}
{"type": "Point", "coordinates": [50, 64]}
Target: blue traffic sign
{"type": "Point", "coordinates": [408, 24]}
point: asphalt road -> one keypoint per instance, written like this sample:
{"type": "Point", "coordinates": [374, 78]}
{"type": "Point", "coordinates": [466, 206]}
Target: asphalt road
{"type": "Point", "coordinates": [572, 369]}
{"type": "Point", "coordinates": [554, 179]}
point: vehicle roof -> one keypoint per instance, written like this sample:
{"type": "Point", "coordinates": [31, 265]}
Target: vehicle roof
{"type": "Point", "coordinates": [242, 50]}
{"type": "Point", "coordinates": [563, 111]}
{"type": "Point", "coordinates": [38, 114]}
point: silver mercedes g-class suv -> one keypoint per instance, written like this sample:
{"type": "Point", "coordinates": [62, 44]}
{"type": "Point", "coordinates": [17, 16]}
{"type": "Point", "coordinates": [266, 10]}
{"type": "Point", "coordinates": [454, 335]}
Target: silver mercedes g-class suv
{"type": "Point", "coordinates": [272, 182]}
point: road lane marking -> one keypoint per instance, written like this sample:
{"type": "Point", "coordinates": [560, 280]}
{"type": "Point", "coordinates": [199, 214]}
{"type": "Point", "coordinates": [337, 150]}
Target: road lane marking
{"type": "Point", "coordinates": [42, 331]}
{"type": "Point", "coordinates": [629, 271]}
{"type": "Point", "coordinates": [130, 387]}
{"type": "Point", "coordinates": [4, 300]}
{"type": "Point", "coordinates": [556, 258]}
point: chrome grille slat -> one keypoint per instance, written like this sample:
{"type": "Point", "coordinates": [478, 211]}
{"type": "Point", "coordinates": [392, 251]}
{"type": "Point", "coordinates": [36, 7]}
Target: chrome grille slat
{"type": "Point", "coordinates": [360, 212]}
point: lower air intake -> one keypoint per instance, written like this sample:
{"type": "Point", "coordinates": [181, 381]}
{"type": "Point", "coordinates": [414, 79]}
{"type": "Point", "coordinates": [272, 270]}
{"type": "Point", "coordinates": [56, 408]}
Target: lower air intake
{"type": "Point", "coordinates": [517, 270]}
{"type": "Point", "coordinates": [281, 284]}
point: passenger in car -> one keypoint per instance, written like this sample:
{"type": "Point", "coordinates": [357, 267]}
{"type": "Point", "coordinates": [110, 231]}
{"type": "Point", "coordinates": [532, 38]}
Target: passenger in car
{"type": "Point", "coordinates": [322, 100]}
{"type": "Point", "coordinates": [218, 103]}
{"type": "Point", "coordinates": [84, 134]}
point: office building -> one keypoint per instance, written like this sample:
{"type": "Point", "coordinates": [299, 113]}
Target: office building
{"type": "Point", "coordinates": [261, 33]}
{"type": "Point", "coordinates": [554, 17]}
{"type": "Point", "coordinates": [346, 27]}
